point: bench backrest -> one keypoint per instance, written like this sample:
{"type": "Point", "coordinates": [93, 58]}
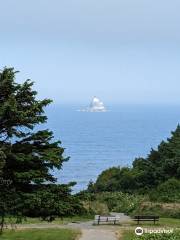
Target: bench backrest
{"type": "Point", "coordinates": [146, 217]}
{"type": "Point", "coordinates": [105, 218]}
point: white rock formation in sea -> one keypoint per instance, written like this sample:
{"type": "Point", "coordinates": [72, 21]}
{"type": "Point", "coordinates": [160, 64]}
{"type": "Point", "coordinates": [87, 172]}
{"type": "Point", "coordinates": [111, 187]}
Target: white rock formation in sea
{"type": "Point", "coordinates": [96, 105]}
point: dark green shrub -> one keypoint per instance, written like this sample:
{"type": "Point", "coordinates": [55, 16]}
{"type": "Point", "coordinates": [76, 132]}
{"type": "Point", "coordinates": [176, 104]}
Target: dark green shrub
{"type": "Point", "coordinates": [168, 191]}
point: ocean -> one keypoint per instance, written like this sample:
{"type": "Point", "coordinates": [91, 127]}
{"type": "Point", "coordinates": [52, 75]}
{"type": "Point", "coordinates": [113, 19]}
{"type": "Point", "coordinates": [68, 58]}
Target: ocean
{"type": "Point", "coordinates": [97, 141]}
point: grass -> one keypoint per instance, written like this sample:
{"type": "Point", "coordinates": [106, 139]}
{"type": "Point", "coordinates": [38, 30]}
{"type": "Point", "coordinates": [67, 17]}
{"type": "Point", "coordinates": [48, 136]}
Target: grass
{"type": "Point", "coordinates": [64, 220]}
{"type": "Point", "coordinates": [127, 235]}
{"type": "Point", "coordinates": [130, 235]}
{"type": "Point", "coordinates": [37, 234]}
{"type": "Point", "coordinates": [163, 223]}
{"type": "Point", "coordinates": [67, 220]}
{"type": "Point", "coordinates": [170, 222]}
{"type": "Point", "coordinates": [166, 222]}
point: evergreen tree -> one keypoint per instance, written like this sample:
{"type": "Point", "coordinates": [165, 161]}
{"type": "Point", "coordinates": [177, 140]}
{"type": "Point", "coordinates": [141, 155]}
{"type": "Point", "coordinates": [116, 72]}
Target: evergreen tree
{"type": "Point", "coordinates": [148, 173]}
{"type": "Point", "coordinates": [27, 156]}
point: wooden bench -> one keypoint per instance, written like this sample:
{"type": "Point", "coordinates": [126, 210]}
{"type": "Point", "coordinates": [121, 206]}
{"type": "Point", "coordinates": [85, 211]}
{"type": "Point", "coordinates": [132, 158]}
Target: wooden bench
{"type": "Point", "coordinates": [106, 219]}
{"type": "Point", "coordinates": [146, 218]}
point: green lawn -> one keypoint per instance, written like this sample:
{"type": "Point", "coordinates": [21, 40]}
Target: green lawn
{"type": "Point", "coordinates": [163, 223]}
{"type": "Point", "coordinates": [167, 222]}
{"type": "Point", "coordinates": [170, 222]}
{"type": "Point", "coordinates": [127, 235]}
{"type": "Point", "coordinates": [64, 220]}
{"type": "Point", "coordinates": [130, 235]}
{"type": "Point", "coordinates": [40, 234]}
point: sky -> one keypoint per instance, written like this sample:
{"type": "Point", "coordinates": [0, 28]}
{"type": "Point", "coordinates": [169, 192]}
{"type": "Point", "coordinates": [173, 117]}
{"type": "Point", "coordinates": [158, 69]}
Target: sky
{"type": "Point", "coordinates": [123, 51]}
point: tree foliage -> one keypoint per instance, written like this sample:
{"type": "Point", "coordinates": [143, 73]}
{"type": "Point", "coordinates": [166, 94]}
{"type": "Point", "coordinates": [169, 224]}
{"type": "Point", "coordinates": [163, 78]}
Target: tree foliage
{"type": "Point", "coordinates": [28, 155]}
{"type": "Point", "coordinates": [149, 173]}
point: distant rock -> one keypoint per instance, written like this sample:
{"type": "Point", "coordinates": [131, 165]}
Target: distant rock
{"type": "Point", "coordinates": [96, 105]}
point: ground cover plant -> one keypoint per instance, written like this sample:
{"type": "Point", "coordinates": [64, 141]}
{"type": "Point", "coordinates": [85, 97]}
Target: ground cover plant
{"type": "Point", "coordinates": [130, 235]}
{"type": "Point", "coordinates": [43, 234]}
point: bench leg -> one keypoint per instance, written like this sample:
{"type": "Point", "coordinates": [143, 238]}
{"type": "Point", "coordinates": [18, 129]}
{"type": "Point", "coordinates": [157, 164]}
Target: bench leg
{"type": "Point", "coordinates": [98, 220]}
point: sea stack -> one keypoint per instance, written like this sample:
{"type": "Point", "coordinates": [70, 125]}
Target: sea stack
{"type": "Point", "coordinates": [96, 105]}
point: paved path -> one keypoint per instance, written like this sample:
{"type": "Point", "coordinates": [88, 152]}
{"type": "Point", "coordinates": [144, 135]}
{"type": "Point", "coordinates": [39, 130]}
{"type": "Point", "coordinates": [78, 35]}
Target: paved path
{"type": "Point", "coordinates": [100, 232]}
{"type": "Point", "coordinates": [97, 234]}
{"type": "Point", "coordinates": [88, 230]}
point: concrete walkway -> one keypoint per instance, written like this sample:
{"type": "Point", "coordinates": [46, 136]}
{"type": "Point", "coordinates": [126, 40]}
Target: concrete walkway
{"type": "Point", "coordinates": [88, 230]}
{"type": "Point", "coordinates": [100, 232]}
{"type": "Point", "coordinates": [97, 234]}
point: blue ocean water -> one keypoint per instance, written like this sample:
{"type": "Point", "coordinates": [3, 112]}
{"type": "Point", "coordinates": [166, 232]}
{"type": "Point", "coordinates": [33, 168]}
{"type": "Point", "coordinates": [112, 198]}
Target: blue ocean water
{"type": "Point", "coordinates": [97, 141]}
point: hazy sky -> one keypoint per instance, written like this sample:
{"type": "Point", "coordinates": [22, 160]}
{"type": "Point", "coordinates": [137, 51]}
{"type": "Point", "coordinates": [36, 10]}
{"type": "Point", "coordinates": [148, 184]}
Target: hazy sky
{"type": "Point", "coordinates": [124, 51]}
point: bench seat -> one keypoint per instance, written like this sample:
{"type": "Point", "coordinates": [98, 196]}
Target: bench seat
{"type": "Point", "coordinates": [146, 218]}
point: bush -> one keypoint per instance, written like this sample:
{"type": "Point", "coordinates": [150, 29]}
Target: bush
{"type": "Point", "coordinates": [162, 210]}
{"type": "Point", "coordinates": [120, 202]}
{"type": "Point", "coordinates": [105, 202]}
{"type": "Point", "coordinates": [52, 201]}
{"type": "Point", "coordinates": [114, 179]}
{"type": "Point", "coordinates": [168, 191]}
{"type": "Point", "coordinates": [96, 207]}
{"type": "Point", "coordinates": [156, 171]}
{"type": "Point", "coordinates": [173, 236]}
